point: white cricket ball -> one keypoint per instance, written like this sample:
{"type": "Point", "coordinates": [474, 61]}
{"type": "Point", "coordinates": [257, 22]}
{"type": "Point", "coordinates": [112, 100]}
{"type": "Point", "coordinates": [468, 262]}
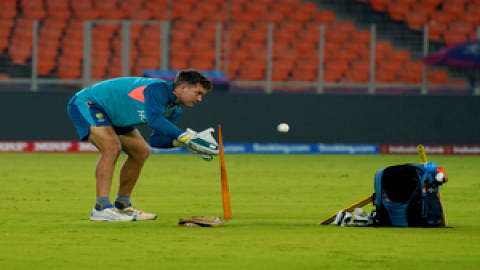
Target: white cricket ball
{"type": "Point", "coordinates": [283, 128]}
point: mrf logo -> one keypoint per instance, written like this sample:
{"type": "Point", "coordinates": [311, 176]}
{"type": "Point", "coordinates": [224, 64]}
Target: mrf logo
{"type": "Point", "coordinates": [142, 116]}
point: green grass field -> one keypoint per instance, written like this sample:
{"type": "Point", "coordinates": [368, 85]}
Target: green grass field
{"type": "Point", "coordinates": [276, 200]}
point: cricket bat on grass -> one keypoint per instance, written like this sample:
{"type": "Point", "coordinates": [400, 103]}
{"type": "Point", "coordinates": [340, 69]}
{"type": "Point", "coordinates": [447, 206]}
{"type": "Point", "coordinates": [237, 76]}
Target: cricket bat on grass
{"type": "Point", "coordinates": [350, 208]}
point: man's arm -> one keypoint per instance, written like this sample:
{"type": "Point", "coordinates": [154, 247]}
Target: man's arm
{"type": "Point", "coordinates": [156, 99]}
{"type": "Point", "coordinates": [160, 140]}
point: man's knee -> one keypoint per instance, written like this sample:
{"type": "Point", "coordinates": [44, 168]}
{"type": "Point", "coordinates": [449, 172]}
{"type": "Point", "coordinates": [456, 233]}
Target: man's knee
{"type": "Point", "coordinates": [113, 148]}
{"type": "Point", "coordinates": [141, 153]}
{"type": "Point", "coordinates": [110, 146]}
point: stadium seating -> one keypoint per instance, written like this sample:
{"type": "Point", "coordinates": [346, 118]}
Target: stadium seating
{"type": "Point", "coordinates": [245, 31]}
{"type": "Point", "coordinates": [450, 21]}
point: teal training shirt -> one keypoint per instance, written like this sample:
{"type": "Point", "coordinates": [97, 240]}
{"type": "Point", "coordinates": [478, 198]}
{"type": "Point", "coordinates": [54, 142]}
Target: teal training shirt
{"type": "Point", "coordinates": [131, 101]}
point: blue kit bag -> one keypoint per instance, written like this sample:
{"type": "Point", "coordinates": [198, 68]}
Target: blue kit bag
{"type": "Point", "coordinates": [407, 196]}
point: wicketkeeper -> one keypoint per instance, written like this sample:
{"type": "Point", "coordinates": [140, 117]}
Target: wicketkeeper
{"type": "Point", "coordinates": [106, 114]}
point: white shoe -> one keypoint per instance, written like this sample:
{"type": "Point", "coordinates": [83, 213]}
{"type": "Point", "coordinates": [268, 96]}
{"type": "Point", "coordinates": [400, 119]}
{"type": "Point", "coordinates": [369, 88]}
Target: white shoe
{"type": "Point", "coordinates": [137, 214]}
{"type": "Point", "coordinates": [110, 213]}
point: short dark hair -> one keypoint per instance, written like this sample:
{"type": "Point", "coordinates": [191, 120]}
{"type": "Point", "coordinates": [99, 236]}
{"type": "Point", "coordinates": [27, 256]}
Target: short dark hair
{"type": "Point", "coordinates": [192, 77]}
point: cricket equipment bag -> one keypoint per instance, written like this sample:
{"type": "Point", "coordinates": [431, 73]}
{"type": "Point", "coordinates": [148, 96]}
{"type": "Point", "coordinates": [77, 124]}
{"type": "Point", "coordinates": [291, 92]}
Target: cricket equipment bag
{"type": "Point", "coordinates": [407, 196]}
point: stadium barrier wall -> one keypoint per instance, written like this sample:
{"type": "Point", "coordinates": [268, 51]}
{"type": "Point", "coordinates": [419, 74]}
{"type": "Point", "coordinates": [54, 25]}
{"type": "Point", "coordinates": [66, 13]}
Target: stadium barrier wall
{"type": "Point", "coordinates": [255, 148]}
{"type": "Point", "coordinates": [313, 119]}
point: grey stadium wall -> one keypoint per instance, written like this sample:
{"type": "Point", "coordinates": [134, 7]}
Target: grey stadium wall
{"type": "Point", "coordinates": [253, 118]}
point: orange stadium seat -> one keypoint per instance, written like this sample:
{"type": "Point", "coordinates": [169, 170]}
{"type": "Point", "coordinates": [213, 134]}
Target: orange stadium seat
{"type": "Point", "coordinates": [209, 26]}
{"type": "Point", "coordinates": [253, 47]}
{"type": "Point", "coordinates": [138, 14]}
{"type": "Point", "coordinates": [473, 36]}
{"type": "Point", "coordinates": [205, 35]}
{"type": "Point", "coordinates": [80, 4]}
{"type": "Point", "coordinates": [256, 36]}
{"type": "Point", "coordinates": [251, 72]}
{"type": "Point", "coordinates": [470, 18]}
{"type": "Point", "coordinates": [34, 13]}
{"type": "Point", "coordinates": [355, 47]}
{"type": "Point", "coordinates": [131, 4]}
{"type": "Point", "coordinates": [177, 64]}
{"type": "Point", "coordinates": [335, 36]}
{"type": "Point", "coordinates": [379, 5]}
{"type": "Point", "coordinates": [413, 66]}
{"type": "Point", "coordinates": [357, 76]}
{"type": "Point", "coordinates": [306, 64]}
{"type": "Point", "coordinates": [437, 76]}
{"type": "Point", "coordinates": [273, 17]}
{"type": "Point", "coordinates": [454, 8]}
{"type": "Point", "coordinates": [260, 26]}
{"type": "Point", "coordinates": [58, 13]}
{"type": "Point", "coordinates": [440, 17]}
{"type": "Point", "coordinates": [436, 30]}
{"type": "Point", "coordinates": [331, 76]}
{"type": "Point", "coordinates": [474, 7]}
{"type": "Point", "coordinates": [256, 8]}
{"type": "Point", "coordinates": [307, 8]}
{"type": "Point", "coordinates": [382, 76]}
{"type": "Point", "coordinates": [416, 20]}
{"type": "Point", "coordinates": [308, 36]}
{"type": "Point", "coordinates": [360, 66]}
{"type": "Point", "coordinates": [345, 56]}
{"type": "Point", "coordinates": [460, 27]}
{"type": "Point", "coordinates": [279, 76]}
{"type": "Point", "coordinates": [45, 65]}
{"type": "Point", "coordinates": [117, 61]}
{"type": "Point", "coordinates": [407, 76]}
{"type": "Point", "coordinates": [233, 68]}
{"type": "Point", "coordinates": [423, 8]}
{"type": "Point", "coordinates": [19, 54]}
{"type": "Point", "coordinates": [3, 43]}
{"type": "Point", "coordinates": [399, 56]}
{"type": "Point", "coordinates": [283, 36]}
{"type": "Point", "coordinates": [218, 16]}
{"type": "Point", "coordinates": [388, 66]}
{"type": "Point", "coordinates": [304, 75]}
{"type": "Point", "coordinates": [434, 3]}
{"type": "Point", "coordinates": [324, 17]}
{"type": "Point", "coordinates": [362, 37]}
{"type": "Point", "coordinates": [68, 72]}
{"type": "Point", "coordinates": [8, 9]}
{"type": "Point", "coordinates": [397, 10]}
{"type": "Point", "coordinates": [283, 8]}
{"type": "Point", "coordinates": [451, 38]}
{"type": "Point", "coordinates": [337, 66]}
{"type": "Point", "coordinates": [298, 17]}
{"type": "Point", "coordinates": [100, 62]}
{"type": "Point", "coordinates": [410, 2]}
{"type": "Point", "coordinates": [97, 72]}
{"type": "Point", "coordinates": [244, 16]}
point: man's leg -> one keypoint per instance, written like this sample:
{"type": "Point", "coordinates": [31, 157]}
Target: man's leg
{"type": "Point", "coordinates": [107, 142]}
{"type": "Point", "coordinates": [138, 152]}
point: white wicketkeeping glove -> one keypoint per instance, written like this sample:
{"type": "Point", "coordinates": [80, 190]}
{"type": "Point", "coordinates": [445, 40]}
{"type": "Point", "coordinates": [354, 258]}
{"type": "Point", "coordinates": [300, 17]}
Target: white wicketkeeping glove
{"type": "Point", "coordinates": [202, 144]}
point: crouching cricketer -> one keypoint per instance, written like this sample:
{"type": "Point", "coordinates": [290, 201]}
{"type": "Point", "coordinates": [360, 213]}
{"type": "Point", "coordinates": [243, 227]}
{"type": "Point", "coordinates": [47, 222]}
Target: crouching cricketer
{"type": "Point", "coordinates": [106, 114]}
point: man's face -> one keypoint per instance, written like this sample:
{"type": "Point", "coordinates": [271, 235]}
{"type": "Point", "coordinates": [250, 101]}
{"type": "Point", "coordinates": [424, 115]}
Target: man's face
{"type": "Point", "coordinates": [190, 95]}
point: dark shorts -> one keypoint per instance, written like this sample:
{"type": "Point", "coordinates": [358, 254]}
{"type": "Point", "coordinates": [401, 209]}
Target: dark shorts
{"type": "Point", "coordinates": [91, 114]}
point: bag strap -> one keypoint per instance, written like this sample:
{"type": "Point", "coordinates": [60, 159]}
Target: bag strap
{"type": "Point", "coordinates": [377, 196]}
